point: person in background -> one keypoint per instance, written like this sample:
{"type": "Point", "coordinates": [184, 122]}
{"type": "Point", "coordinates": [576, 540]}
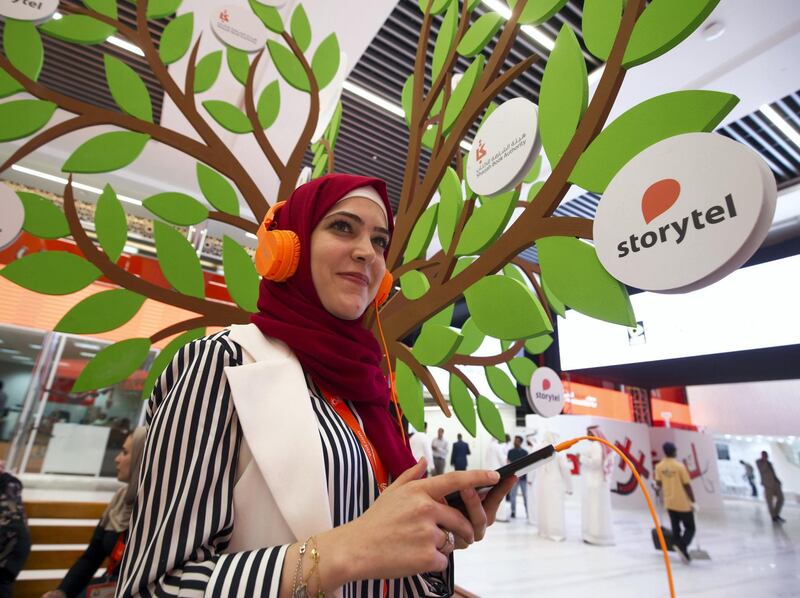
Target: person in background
{"type": "Point", "coordinates": [110, 535]}
{"type": "Point", "coordinates": [3, 401]}
{"type": "Point", "coordinates": [440, 447]}
{"type": "Point", "coordinates": [750, 476]}
{"type": "Point", "coordinates": [552, 482]}
{"type": "Point", "coordinates": [459, 456]}
{"type": "Point", "coordinates": [673, 478]}
{"type": "Point", "coordinates": [596, 466]}
{"type": "Point", "coordinates": [522, 484]}
{"type": "Point", "coordinates": [15, 540]}
{"type": "Point", "coordinates": [420, 444]}
{"type": "Point", "coordinates": [773, 492]}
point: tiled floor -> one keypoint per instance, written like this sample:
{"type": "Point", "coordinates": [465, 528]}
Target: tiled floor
{"type": "Point", "coordinates": [751, 557]}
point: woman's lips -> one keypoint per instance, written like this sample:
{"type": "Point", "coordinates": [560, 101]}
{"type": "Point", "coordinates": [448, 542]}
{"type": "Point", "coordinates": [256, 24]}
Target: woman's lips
{"type": "Point", "coordinates": [355, 277]}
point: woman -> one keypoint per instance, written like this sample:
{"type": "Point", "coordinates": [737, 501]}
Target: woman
{"type": "Point", "coordinates": [596, 465]}
{"type": "Point", "coordinates": [108, 539]}
{"type": "Point", "coordinates": [15, 540]}
{"type": "Point", "coordinates": [269, 442]}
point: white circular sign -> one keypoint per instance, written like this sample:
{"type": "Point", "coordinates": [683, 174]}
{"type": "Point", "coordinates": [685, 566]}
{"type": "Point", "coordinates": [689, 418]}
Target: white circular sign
{"type": "Point", "coordinates": [546, 392]}
{"type": "Point", "coordinates": [504, 149]}
{"type": "Point", "coordinates": [12, 216]}
{"type": "Point", "coordinates": [239, 27]}
{"type": "Point", "coordinates": [28, 10]}
{"type": "Point", "coordinates": [684, 213]}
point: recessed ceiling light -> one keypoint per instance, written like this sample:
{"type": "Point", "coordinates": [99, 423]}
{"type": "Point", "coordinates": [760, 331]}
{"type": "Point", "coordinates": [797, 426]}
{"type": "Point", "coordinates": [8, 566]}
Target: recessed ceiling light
{"type": "Point", "coordinates": [88, 346]}
{"type": "Point", "coordinates": [9, 351]}
{"type": "Point", "coordinates": [35, 346]}
{"type": "Point", "coordinates": [87, 354]}
{"type": "Point", "coordinates": [63, 181]}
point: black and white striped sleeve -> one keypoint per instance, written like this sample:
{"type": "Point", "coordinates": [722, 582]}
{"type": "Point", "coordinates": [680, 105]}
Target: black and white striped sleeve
{"type": "Point", "coordinates": [183, 518]}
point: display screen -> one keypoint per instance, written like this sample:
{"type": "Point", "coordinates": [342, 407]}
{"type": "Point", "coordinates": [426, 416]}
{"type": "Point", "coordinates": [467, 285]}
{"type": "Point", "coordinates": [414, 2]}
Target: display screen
{"type": "Point", "coordinates": [752, 308]}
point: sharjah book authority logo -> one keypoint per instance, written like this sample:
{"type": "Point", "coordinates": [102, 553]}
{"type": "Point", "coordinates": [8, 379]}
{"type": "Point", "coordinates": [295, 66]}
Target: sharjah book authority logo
{"type": "Point", "coordinates": [223, 16]}
{"type": "Point", "coordinates": [480, 151]}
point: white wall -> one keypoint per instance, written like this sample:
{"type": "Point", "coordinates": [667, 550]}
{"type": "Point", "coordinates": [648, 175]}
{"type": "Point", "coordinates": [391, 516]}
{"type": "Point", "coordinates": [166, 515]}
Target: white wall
{"type": "Point", "coordinates": [749, 408]}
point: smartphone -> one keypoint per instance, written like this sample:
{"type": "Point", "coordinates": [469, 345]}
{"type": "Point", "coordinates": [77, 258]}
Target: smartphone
{"type": "Point", "coordinates": [519, 467]}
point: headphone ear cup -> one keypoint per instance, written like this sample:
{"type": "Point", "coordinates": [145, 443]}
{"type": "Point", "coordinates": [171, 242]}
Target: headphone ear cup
{"type": "Point", "coordinates": [384, 289]}
{"type": "Point", "coordinates": [277, 254]}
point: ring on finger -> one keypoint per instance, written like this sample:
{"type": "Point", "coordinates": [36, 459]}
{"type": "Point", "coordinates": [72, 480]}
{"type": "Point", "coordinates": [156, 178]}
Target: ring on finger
{"type": "Point", "coordinates": [449, 542]}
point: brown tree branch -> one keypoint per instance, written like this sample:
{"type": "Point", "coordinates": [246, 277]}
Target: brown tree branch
{"type": "Point", "coordinates": [439, 138]}
{"type": "Point", "coordinates": [403, 353]}
{"type": "Point", "coordinates": [464, 378]}
{"type": "Point", "coordinates": [295, 162]}
{"type": "Point", "coordinates": [48, 135]}
{"type": "Point", "coordinates": [528, 269]}
{"type": "Point", "coordinates": [418, 264]}
{"type": "Point", "coordinates": [236, 221]}
{"type": "Point", "coordinates": [450, 257]}
{"type": "Point", "coordinates": [486, 360]}
{"type": "Point", "coordinates": [126, 280]}
{"type": "Point", "coordinates": [191, 71]}
{"type": "Point", "coordinates": [329, 151]}
{"type": "Point", "coordinates": [199, 322]}
{"type": "Point", "coordinates": [252, 114]}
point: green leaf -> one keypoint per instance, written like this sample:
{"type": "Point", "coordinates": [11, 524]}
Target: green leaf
{"type": "Point", "coordinates": [480, 33]}
{"type": "Point", "coordinates": [472, 338]}
{"type": "Point", "coordinates": [515, 273]}
{"type": "Point", "coordinates": [320, 166]}
{"type": "Point", "coordinates": [288, 66]}
{"type": "Point", "coordinates": [43, 218]}
{"type": "Point", "coordinates": [435, 344]}
{"type": "Point", "coordinates": [158, 9]}
{"type": "Point", "coordinates": [490, 418]}
{"type": "Point", "coordinates": [176, 208]}
{"type": "Point", "coordinates": [228, 116]}
{"type": "Point", "coordinates": [110, 224]}
{"type": "Point", "coordinates": [522, 369]}
{"type": "Point", "coordinates": [506, 309]}
{"type": "Point", "coordinates": [538, 344]}
{"type": "Point", "coordinates": [461, 265]}
{"type": "Point", "coordinates": [106, 152]}
{"type": "Point", "coordinates": [460, 95]}
{"type": "Point", "coordinates": [502, 386]}
{"type": "Point", "coordinates": [104, 7]}
{"type": "Point", "coordinates": [414, 284]}
{"type": "Point", "coordinates": [269, 105]}
{"type": "Point", "coordinates": [535, 170]}
{"type": "Point", "coordinates": [409, 395]}
{"type": "Point", "coordinates": [601, 20]}
{"type": "Point", "coordinates": [554, 301]}
{"type": "Point", "coordinates": [406, 98]}
{"type": "Point", "coordinates": [217, 190]}
{"type": "Point", "coordinates": [128, 89]}
{"type": "Point", "coordinates": [268, 15]}
{"type": "Point", "coordinates": [206, 71]}
{"type": "Point", "coordinates": [20, 118]}
{"type": "Point", "coordinates": [101, 312]}
{"type": "Point", "coordinates": [51, 272]}
{"type": "Point", "coordinates": [238, 63]}
{"type": "Point", "coordinates": [486, 223]}
{"type": "Point", "coordinates": [301, 28]}
{"type": "Point", "coordinates": [576, 276]}
{"type": "Point", "coordinates": [163, 359]}
{"type": "Point", "coordinates": [444, 39]}
{"type": "Point", "coordinates": [113, 364]}
{"type": "Point", "coordinates": [662, 26]}
{"type": "Point", "coordinates": [437, 6]}
{"type": "Point", "coordinates": [645, 124]}
{"type": "Point", "coordinates": [442, 318]}
{"type": "Point", "coordinates": [241, 277]}
{"type": "Point", "coordinates": [22, 45]}
{"type": "Point", "coordinates": [178, 261]}
{"type": "Point", "coordinates": [78, 29]}
{"type": "Point", "coordinates": [537, 11]}
{"type": "Point", "coordinates": [462, 404]}
{"type": "Point", "coordinates": [450, 206]}
{"type": "Point", "coordinates": [564, 94]}
{"type": "Point", "coordinates": [422, 234]}
{"type": "Point", "coordinates": [8, 85]}
{"type": "Point", "coordinates": [326, 61]}
{"type": "Point", "coordinates": [534, 190]}
{"type": "Point", "coordinates": [176, 38]}
{"type": "Point", "coordinates": [333, 128]}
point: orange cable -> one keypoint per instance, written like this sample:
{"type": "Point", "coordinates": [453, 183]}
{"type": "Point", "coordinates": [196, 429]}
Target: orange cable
{"type": "Point", "coordinates": [569, 443]}
{"type": "Point", "coordinates": [391, 374]}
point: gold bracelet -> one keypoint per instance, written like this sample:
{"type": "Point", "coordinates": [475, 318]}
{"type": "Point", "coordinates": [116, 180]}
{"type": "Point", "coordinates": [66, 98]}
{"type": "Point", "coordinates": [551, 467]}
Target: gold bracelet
{"type": "Point", "coordinates": [315, 557]}
{"type": "Point", "coordinates": [298, 585]}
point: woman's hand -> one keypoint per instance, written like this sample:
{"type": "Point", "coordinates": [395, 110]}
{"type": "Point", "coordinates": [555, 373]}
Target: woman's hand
{"type": "Point", "coordinates": [405, 531]}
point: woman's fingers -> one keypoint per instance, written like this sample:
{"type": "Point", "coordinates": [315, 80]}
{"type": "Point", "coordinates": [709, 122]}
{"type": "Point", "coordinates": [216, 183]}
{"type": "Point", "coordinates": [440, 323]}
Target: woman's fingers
{"type": "Point", "coordinates": [452, 520]}
{"type": "Point", "coordinates": [496, 496]}
{"type": "Point", "coordinates": [442, 485]}
{"type": "Point", "coordinates": [475, 512]}
{"type": "Point", "coordinates": [414, 472]}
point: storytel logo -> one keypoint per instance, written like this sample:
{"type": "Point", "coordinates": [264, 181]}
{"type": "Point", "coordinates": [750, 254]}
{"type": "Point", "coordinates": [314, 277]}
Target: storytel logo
{"type": "Point", "coordinates": [660, 197]}
{"type": "Point", "coordinates": [547, 396]}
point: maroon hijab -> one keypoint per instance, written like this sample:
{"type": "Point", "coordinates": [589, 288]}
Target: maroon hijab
{"type": "Point", "coordinates": [341, 355]}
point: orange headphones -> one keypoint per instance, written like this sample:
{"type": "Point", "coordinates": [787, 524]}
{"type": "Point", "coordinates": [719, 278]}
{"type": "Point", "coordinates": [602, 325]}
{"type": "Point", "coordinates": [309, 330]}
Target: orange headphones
{"type": "Point", "coordinates": [278, 254]}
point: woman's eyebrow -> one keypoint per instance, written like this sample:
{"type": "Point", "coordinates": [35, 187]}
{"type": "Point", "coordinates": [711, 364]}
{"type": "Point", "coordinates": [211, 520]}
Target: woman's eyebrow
{"type": "Point", "coordinates": [358, 219]}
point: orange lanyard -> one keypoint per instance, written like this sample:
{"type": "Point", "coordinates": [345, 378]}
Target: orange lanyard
{"type": "Point", "coordinates": [374, 460]}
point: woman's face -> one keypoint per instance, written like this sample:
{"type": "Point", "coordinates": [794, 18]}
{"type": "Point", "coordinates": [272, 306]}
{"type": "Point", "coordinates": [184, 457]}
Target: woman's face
{"type": "Point", "coordinates": [347, 263]}
{"type": "Point", "coordinates": [123, 461]}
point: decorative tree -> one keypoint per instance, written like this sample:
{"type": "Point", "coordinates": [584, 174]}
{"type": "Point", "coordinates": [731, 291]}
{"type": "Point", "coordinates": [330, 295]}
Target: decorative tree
{"type": "Point", "coordinates": [508, 298]}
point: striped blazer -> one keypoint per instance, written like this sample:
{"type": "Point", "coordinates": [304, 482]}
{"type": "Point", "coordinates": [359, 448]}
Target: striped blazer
{"type": "Point", "coordinates": [231, 425]}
